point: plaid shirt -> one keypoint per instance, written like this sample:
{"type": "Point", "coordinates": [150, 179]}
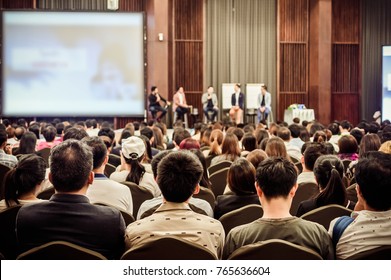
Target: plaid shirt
{"type": "Point", "coordinates": [8, 160]}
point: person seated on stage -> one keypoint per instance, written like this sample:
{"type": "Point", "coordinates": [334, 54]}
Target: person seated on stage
{"type": "Point", "coordinates": [370, 223]}
{"type": "Point", "coordinates": [264, 103]}
{"type": "Point", "coordinates": [154, 104]}
{"type": "Point", "coordinates": [178, 176]}
{"type": "Point", "coordinates": [209, 103]}
{"type": "Point", "coordinates": [180, 105]}
{"type": "Point", "coordinates": [237, 102]}
{"type": "Point", "coordinates": [69, 215]}
{"type": "Point", "coordinates": [276, 187]}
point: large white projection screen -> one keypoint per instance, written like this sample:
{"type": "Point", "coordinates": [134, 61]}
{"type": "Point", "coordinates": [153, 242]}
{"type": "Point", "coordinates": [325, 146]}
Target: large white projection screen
{"type": "Point", "coordinates": [73, 64]}
{"type": "Point", "coordinates": [386, 114]}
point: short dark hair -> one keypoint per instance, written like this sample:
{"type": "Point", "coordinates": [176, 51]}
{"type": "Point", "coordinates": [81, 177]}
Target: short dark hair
{"type": "Point", "coordinates": [146, 131]}
{"type": "Point", "coordinates": [99, 150]}
{"type": "Point", "coordinates": [3, 137]}
{"type": "Point", "coordinates": [70, 165]}
{"type": "Point", "coordinates": [153, 88]}
{"type": "Point", "coordinates": [312, 152]}
{"type": "Point", "coordinates": [347, 144]}
{"type": "Point", "coordinates": [373, 173]}
{"type": "Point", "coordinates": [249, 142]}
{"type": "Point", "coordinates": [178, 175]}
{"type": "Point", "coordinates": [35, 128]}
{"type": "Point", "coordinates": [295, 130]}
{"type": "Point", "coordinates": [156, 160]}
{"type": "Point", "coordinates": [284, 133]}
{"type": "Point", "coordinates": [276, 176]}
{"type": "Point", "coordinates": [49, 133]}
{"type": "Point", "coordinates": [75, 133]}
{"type": "Point", "coordinates": [241, 177]}
{"type": "Point", "coordinates": [180, 134]}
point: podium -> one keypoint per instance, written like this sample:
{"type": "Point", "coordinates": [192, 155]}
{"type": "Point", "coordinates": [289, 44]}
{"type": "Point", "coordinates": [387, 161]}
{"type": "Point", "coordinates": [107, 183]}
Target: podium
{"type": "Point", "coordinates": [302, 114]}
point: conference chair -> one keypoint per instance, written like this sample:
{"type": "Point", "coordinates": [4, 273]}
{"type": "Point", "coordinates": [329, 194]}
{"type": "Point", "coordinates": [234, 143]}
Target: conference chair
{"type": "Point", "coordinates": [219, 181]}
{"type": "Point", "coordinates": [139, 195]}
{"type": "Point", "coordinates": [168, 248]}
{"type": "Point", "coordinates": [47, 193]}
{"type": "Point", "coordinates": [325, 214]}
{"type": "Point", "coordinates": [128, 218]}
{"type": "Point", "coordinates": [208, 160]}
{"type": "Point", "coordinates": [114, 160]}
{"type": "Point", "coordinates": [219, 166]}
{"type": "Point", "coordinates": [45, 153]}
{"type": "Point", "coordinates": [3, 170]}
{"type": "Point", "coordinates": [351, 193]}
{"type": "Point", "coordinates": [299, 166]}
{"type": "Point", "coordinates": [379, 253]}
{"type": "Point", "coordinates": [60, 250]}
{"type": "Point", "coordinates": [207, 195]}
{"type": "Point", "coordinates": [8, 244]}
{"type": "Point", "coordinates": [304, 191]}
{"type": "Point", "coordinates": [241, 216]}
{"type": "Point", "coordinates": [109, 168]}
{"type": "Point", "coordinates": [274, 249]}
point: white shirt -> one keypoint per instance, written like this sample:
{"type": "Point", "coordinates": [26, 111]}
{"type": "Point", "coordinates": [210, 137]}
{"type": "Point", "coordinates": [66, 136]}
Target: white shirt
{"type": "Point", "coordinates": [237, 98]}
{"type": "Point", "coordinates": [180, 98]}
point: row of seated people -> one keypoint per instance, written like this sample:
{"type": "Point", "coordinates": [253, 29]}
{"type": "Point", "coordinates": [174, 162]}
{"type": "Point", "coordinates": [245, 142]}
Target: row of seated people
{"type": "Point", "coordinates": [181, 167]}
{"type": "Point", "coordinates": [138, 148]}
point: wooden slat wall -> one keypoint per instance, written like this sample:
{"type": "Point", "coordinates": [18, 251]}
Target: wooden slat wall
{"type": "Point", "coordinates": [188, 50]}
{"type": "Point", "coordinates": [346, 61]}
{"type": "Point", "coordinates": [292, 60]}
{"type": "Point", "coordinates": [17, 4]}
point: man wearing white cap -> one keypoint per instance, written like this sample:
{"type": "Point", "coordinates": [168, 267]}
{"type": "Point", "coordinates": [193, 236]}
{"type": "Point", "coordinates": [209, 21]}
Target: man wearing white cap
{"type": "Point", "coordinates": [131, 169]}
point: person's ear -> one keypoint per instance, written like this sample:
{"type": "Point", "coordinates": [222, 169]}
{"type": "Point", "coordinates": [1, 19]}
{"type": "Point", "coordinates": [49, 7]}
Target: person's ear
{"type": "Point", "coordinates": [258, 189]}
{"type": "Point", "coordinates": [91, 178]}
{"type": "Point", "coordinates": [50, 177]}
{"type": "Point", "coordinates": [197, 189]}
{"type": "Point", "coordinates": [293, 190]}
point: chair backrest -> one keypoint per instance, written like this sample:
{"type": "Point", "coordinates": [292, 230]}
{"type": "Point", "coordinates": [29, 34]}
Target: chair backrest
{"type": "Point", "coordinates": [241, 216]}
{"type": "Point", "coordinates": [60, 250]}
{"type": "Point", "coordinates": [346, 163]}
{"type": "Point", "coordinates": [127, 216]}
{"type": "Point", "coordinates": [114, 159]}
{"type": "Point", "coordinates": [379, 253]}
{"type": "Point", "coordinates": [168, 248]}
{"type": "Point", "coordinates": [208, 160]}
{"type": "Point", "coordinates": [3, 170]}
{"type": "Point", "coordinates": [45, 153]}
{"type": "Point", "coordinates": [139, 195]}
{"type": "Point", "coordinates": [8, 245]}
{"type": "Point", "coordinates": [325, 214]}
{"type": "Point", "coordinates": [274, 249]}
{"type": "Point", "coordinates": [207, 195]}
{"type": "Point", "coordinates": [299, 166]}
{"type": "Point", "coordinates": [304, 191]}
{"type": "Point", "coordinates": [351, 193]}
{"type": "Point", "coordinates": [109, 168]}
{"type": "Point", "coordinates": [47, 193]}
{"type": "Point", "coordinates": [219, 166]}
{"type": "Point", "coordinates": [219, 181]}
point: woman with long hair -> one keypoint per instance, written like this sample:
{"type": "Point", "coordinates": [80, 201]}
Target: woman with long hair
{"type": "Point", "coordinates": [27, 144]}
{"type": "Point", "coordinates": [216, 140]}
{"type": "Point", "coordinates": [131, 168]}
{"type": "Point", "coordinates": [23, 183]}
{"type": "Point", "coordinates": [275, 147]}
{"type": "Point", "coordinates": [241, 182]}
{"type": "Point", "coordinates": [230, 149]}
{"type": "Point", "coordinates": [329, 172]}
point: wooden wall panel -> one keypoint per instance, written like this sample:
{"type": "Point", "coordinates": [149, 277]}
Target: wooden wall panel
{"type": "Point", "coordinates": [188, 19]}
{"type": "Point", "coordinates": [292, 59]}
{"type": "Point", "coordinates": [346, 61]}
{"type": "Point", "coordinates": [17, 4]}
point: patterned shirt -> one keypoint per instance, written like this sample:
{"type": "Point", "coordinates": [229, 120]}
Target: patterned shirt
{"type": "Point", "coordinates": [179, 220]}
{"type": "Point", "coordinates": [8, 160]}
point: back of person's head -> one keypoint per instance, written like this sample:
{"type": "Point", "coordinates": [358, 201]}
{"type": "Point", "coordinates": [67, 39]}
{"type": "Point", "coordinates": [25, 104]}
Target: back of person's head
{"type": "Point", "coordinates": [216, 140]}
{"type": "Point", "coordinates": [345, 124]}
{"type": "Point", "coordinates": [238, 132]}
{"type": "Point", "coordinates": [124, 134]}
{"type": "Point", "coordinates": [248, 128]}
{"type": "Point", "coordinates": [146, 131]}
{"type": "Point", "coordinates": [230, 145]}
{"type": "Point", "coordinates": [179, 173]}
{"type": "Point", "coordinates": [19, 131]}
{"type": "Point", "coordinates": [22, 122]}
{"type": "Point", "coordinates": [261, 134]}
{"type": "Point", "coordinates": [374, 127]}
{"type": "Point", "coordinates": [241, 177]}
{"type": "Point", "coordinates": [347, 144]}
{"type": "Point", "coordinates": [107, 131]}
{"type": "Point", "coordinates": [249, 142]}
{"type": "Point", "coordinates": [60, 128]}
{"type": "Point", "coordinates": [24, 178]}
{"type": "Point", "coordinates": [99, 150]}
{"type": "Point", "coordinates": [49, 133]}
{"type": "Point", "coordinates": [284, 133]}
{"type": "Point", "coordinates": [304, 134]}
{"type": "Point", "coordinates": [70, 165]}
{"type": "Point", "coordinates": [75, 133]}
{"type": "Point", "coordinates": [35, 128]}
{"type": "Point", "coordinates": [156, 160]}
{"type": "Point", "coordinates": [3, 137]}
{"type": "Point", "coordinates": [148, 148]}
{"type": "Point", "coordinates": [296, 120]}
{"type": "Point", "coordinates": [180, 134]}
{"type": "Point", "coordinates": [334, 128]}
{"type": "Point", "coordinates": [357, 134]}
{"type": "Point", "coordinates": [295, 130]}
{"type": "Point", "coordinates": [188, 144]}
{"type": "Point", "coordinates": [276, 176]}
{"type": "Point", "coordinates": [27, 143]}
{"type": "Point", "coordinates": [329, 171]}
{"type": "Point", "coordinates": [312, 153]}
{"type": "Point", "coordinates": [133, 150]}
{"type": "Point", "coordinates": [386, 147]}
{"type": "Point", "coordinates": [320, 137]}
{"type": "Point", "coordinates": [275, 147]}
{"type": "Point", "coordinates": [255, 157]}
{"type": "Point", "coordinates": [130, 127]}
{"type": "Point", "coordinates": [315, 127]}
{"type": "Point", "coordinates": [364, 125]}
{"type": "Point", "coordinates": [369, 142]}
{"type": "Point", "coordinates": [373, 173]}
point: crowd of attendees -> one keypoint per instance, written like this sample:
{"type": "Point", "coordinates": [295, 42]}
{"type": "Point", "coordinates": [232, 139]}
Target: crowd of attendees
{"type": "Point", "coordinates": [268, 165]}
